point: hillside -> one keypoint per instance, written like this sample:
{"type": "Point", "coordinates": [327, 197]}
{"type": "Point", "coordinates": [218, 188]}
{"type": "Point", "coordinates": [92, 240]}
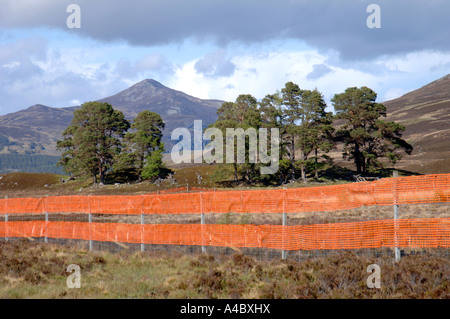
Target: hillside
{"type": "Point", "coordinates": [36, 129]}
{"type": "Point", "coordinates": [426, 114]}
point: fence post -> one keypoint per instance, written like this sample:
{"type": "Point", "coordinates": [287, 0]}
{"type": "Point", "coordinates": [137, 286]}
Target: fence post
{"type": "Point", "coordinates": [46, 217]}
{"type": "Point", "coordinates": [142, 225]}
{"type": "Point", "coordinates": [202, 220]}
{"type": "Point", "coordinates": [6, 219]}
{"type": "Point", "coordinates": [283, 252]}
{"type": "Point", "coordinates": [396, 217]}
{"type": "Point", "coordinates": [91, 244]}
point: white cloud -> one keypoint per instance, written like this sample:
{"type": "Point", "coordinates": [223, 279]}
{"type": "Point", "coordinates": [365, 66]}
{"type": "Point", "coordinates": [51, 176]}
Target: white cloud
{"type": "Point", "coordinates": [11, 65]}
{"type": "Point", "coordinates": [263, 74]}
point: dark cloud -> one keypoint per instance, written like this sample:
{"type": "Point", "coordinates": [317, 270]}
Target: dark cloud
{"type": "Point", "coordinates": [215, 64]}
{"type": "Point", "coordinates": [319, 70]}
{"type": "Point", "coordinates": [406, 25]}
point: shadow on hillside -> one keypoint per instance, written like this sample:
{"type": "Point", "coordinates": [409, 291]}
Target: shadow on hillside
{"type": "Point", "coordinates": [333, 174]}
{"type": "Point", "coordinates": [388, 172]}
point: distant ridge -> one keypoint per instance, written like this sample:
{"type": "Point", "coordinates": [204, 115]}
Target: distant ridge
{"type": "Point", "coordinates": [36, 129]}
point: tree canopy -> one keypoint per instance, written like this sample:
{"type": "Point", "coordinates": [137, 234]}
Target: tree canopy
{"type": "Point", "coordinates": [92, 140]}
{"type": "Point", "coordinates": [96, 142]}
{"type": "Point", "coordinates": [309, 132]}
{"type": "Point", "coordinates": [366, 138]}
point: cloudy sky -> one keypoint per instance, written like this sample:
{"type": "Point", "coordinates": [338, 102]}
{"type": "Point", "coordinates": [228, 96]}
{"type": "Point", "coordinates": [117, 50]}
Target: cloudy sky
{"type": "Point", "coordinates": [217, 48]}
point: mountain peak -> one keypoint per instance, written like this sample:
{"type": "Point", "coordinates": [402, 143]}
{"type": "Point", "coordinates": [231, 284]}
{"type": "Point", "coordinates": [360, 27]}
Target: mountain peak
{"type": "Point", "coordinates": [38, 107]}
{"type": "Point", "coordinates": [148, 83]}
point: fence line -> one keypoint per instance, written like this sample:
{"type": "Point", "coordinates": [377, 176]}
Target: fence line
{"type": "Point", "coordinates": [412, 232]}
{"type": "Point", "coordinates": [410, 190]}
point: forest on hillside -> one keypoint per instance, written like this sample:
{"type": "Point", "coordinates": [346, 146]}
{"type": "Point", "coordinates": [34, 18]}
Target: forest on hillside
{"type": "Point", "coordinates": [10, 163]}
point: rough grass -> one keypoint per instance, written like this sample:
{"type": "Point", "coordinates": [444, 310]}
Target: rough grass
{"type": "Point", "coordinates": [47, 184]}
{"type": "Point", "coordinates": [33, 270]}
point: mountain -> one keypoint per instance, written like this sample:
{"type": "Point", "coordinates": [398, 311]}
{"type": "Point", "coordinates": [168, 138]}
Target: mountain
{"type": "Point", "coordinates": [33, 130]}
{"type": "Point", "coordinates": [36, 129]}
{"type": "Point", "coordinates": [175, 107]}
{"type": "Point", "coordinates": [425, 113]}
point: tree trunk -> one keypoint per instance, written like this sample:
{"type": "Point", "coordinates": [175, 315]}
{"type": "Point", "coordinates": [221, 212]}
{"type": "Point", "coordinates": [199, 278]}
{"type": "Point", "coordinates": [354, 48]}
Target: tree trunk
{"type": "Point", "coordinates": [363, 160]}
{"type": "Point", "coordinates": [302, 166]}
{"type": "Point", "coordinates": [102, 177]}
{"type": "Point", "coordinates": [357, 159]}
{"type": "Point", "coordinates": [292, 152]}
{"type": "Point", "coordinates": [316, 171]}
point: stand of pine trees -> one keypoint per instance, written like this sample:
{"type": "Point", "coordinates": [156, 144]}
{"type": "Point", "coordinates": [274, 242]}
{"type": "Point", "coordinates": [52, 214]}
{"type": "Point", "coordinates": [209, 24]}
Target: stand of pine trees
{"type": "Point", "coordinates": [98, 144]}
{"type": "Point", "coordinates": [101, 143]}
{"type": "Point", "coordinates": [308, 132]}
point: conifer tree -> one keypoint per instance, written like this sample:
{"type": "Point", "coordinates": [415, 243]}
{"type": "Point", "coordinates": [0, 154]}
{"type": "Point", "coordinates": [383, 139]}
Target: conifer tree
{"type": "Point", "coordinates": [93, 140]}
{"type": "Point", "coordinates": [141, 145]}
{"type": "Point", "coordinates": [366, 138]}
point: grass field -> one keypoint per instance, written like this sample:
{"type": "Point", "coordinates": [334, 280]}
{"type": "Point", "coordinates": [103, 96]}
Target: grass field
{"type": "Point", "coordinates": [36, 270]}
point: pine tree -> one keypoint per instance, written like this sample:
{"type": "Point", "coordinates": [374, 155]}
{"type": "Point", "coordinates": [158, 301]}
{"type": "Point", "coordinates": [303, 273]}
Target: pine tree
{"type": "Point", "coordinates": [307, 126]}
{"type": "Point", "coordinates": [141, 143]}
{"type": "Point", "coordinates": [291, 95]}
{"type": "Point", "coordinates": [93, 140]}
{"type": "Point", "coordinates": [315, 129]}
{"type": "Point", "coordinates": [366, 138]}
{"type": "Point", "coordinates": [241, 114]}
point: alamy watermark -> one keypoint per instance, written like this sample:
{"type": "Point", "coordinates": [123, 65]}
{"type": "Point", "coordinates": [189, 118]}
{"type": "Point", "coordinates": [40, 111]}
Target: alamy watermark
{"type": "Point", "coordinates": [374, 19]}
{"type": "Point", "coordinates": [74, 19]}
{"type": "Point", "coordinates": [258, 151]}
{"type": "Point", "coordinates": [374, 280]}
{"type": "Point", "coordinates": [74, 280]}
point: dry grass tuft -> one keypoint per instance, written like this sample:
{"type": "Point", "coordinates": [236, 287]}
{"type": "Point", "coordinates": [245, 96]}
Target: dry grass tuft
{"type": "Point", "coordinates": [37, 270]}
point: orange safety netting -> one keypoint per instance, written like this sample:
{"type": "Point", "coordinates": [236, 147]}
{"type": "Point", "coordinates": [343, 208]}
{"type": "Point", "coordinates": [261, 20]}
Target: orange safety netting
{"type": "Point", "coordinates": [389, 191]}
{"type": "Point", "coordinates": [413, 233]}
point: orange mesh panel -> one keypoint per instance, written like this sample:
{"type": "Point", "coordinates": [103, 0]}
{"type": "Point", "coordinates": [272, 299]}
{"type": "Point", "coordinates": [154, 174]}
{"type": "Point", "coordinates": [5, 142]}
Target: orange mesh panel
{"type": "Point", "coordinates": [414, 233]}
{"type": "Point", "coordinates": [21, 205]}
{"type": "Point", "coordinates": [389, 191]}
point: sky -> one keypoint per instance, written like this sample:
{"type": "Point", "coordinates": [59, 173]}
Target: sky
{"type": "Point", "coordinates": [217, 49]}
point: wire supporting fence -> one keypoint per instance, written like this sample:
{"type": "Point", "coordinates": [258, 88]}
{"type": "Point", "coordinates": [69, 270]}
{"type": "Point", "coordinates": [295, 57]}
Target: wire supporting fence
{"type": "Point", "coordinates": [407, 213]}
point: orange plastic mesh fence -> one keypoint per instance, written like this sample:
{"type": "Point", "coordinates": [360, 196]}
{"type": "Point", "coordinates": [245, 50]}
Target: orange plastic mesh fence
{"type": "Point", "coordinates": [389, 191]}
{"type": "Point", "coordinates": [413, 233]}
